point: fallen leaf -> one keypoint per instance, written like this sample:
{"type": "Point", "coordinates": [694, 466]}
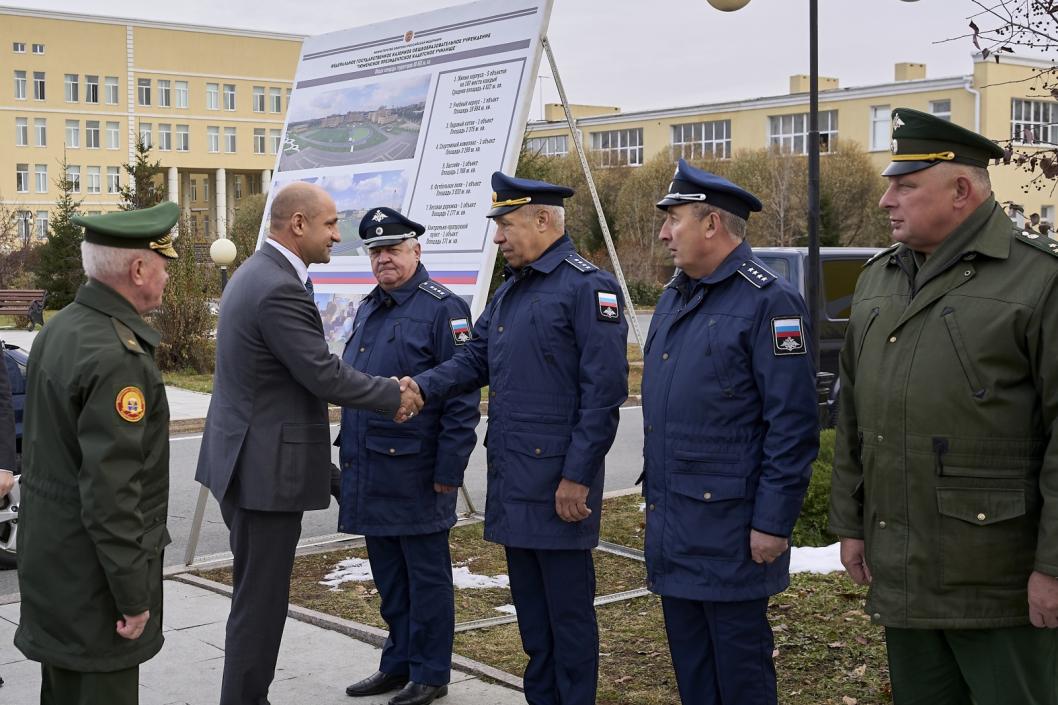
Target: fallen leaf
{"type": "Point", "coordinates": [623, 679]}
{"type": "Point", "coordinates": [860, 670]}
{"type": "Point", "coordinates": [861, 640]}
{"type": "Point", "coordinates": [847, 700]}
{"type": "Point", "coordinates": [836, 645]}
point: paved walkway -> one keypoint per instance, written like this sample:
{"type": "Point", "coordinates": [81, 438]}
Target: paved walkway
{"type": "Point", "coordinates": [315, 664]}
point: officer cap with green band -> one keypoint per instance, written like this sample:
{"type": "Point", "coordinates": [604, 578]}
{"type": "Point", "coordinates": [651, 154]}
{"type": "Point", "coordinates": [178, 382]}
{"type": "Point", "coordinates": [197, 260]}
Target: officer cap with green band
{"type": "Point", "coordinates": [144, 229]}
{"type": "Point", "coordinates": [921, 140]}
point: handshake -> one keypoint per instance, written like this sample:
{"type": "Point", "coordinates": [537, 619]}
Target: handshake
{"type": "Point", "coordinates": [411, 400]}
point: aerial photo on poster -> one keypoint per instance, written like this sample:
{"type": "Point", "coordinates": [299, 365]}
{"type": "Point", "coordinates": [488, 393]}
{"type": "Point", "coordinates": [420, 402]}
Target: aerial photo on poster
{"type": "Point", "coordinates": [337, 313]}
{"type": "Point", "coordinates": [356, 124]}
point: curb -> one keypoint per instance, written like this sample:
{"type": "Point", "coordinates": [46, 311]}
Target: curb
{"type": "Point", "coordinates": [362, 632]}
{"type": "Point", "coordinates": [179, 426]}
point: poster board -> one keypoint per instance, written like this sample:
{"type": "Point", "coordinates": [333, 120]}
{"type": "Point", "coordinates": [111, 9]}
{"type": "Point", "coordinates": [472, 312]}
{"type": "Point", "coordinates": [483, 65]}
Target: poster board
{"type": "Point", "coordinates": [414, 114]}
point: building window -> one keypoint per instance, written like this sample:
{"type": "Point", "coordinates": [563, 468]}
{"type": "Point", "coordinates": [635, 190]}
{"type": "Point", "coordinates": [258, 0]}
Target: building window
{"type": "Point", "coordinates": [165, 94]}
{"type": "Point", "coordinates": [275, 138]}
{"type": "Point", "coordinates": [790, 132]}
{"type": "Point", "coordinates": [695, 140]}
{"type": "Point", "coordinates": [20, 85]}
{"type": "Point", "coordinates": [40, 172]}
{"type": "Point", "coordinates": [1047, 214]}
{"type": "Point", "coordinates": [941, 108]}
{"type": "Point", "coordinates": [183, 138]}
{"type": "Point", "coordinates": [205, 188]}
{"type": "Point", "coordinates": [21, 132]}
{"type": "Point", "coordinates": [113, 136]}
{"type": "Point", "coordinates": [93, 185]}
{"type": "Point", "coordinates": [289, 91]}
{"type": "Point", "coordinates": [40, 126]}
{"type": "Point", "coordinates": [229, 139]}
{"type": "Point", "coordinates": [18, 47]}
{"type": "Point", "coordinates": [91, 89]}
{"type": "Point", "coordinates": [238, 186]}
{"type": "Point", "coordinates": [229, 96]}
{"type": "Point", "coordinates": [70, 85]}
{"type": "Point", "coordinates": [73, 175]}
{"type": "Point", "coordinates": [1033, 121]}
{"type": "Point", "coordinates": [181, 94]}
{"type": "Point", "coordinates": [554, 146]}
{"type": "Point", "coordinates": [258, 140]}
{"type": "Point", "coordinates": [212, 96]}
{"type": "Point", "coordinates": [213, 138]}
{"type": "Point", "coordinates": [38, 48]}
{"type": "Point", "coordinates": [145, 134]}
{"type": "Point", "coordinates": [113, 179]}
{"type": "Point", "coordinates": [880, 130]}
{"type": "Point", "coordinates": [22, 178]}
{"type": "Point", "coordinates": [275, 97]}
{"type": "Point", "coordinates": [258, 99]}
{"type": "Point", "coordinates": [617, 147]}
{"type": "Point", "coordinates": [111, 88]}
{"type": "Point", "coordinates": [73, 134]}
{"type": "Point", "coordinates": [24, 221]}
{"type": "Point", "coordinates": [91, 134]}
{"type": "Point", "coordinates": [143, 91]}
{"type": "Point", "coordinates": [42, 225]}
{"type": "Point", "coordinates": [165, 136]}
{"type": "Point", "coordinates": [194, 189]}
{"type": "Point", "coordinates": [38, 85]}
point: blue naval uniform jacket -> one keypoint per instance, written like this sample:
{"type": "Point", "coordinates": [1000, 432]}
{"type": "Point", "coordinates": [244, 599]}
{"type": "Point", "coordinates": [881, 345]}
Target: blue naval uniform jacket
{"type": "Point", "coordinates": [729, 415]}
{"type": "Point", "coordinates": [388, 469]}
{"type": "Point", "coordinates": [551, 345]}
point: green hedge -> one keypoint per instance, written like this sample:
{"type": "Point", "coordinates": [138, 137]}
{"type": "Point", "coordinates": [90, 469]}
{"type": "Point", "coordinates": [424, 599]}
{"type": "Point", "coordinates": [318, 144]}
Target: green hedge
{"type": "Point", "coordinates": [644, 293]}
{"type": "Point", "coordinates": [811, 528]}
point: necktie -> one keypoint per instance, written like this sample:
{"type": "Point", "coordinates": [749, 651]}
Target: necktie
{"type": "Point", "coordinates": [308, 285]}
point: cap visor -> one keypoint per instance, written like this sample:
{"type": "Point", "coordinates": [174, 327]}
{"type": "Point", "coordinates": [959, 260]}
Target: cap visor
{"type": "Point", "coordinates": [386, 241]}
{"type": "Point", "coordinates": [664, 203]}
{"type": "Point", "coordinates": [899, 168]}
{"type": "Point", "coordinates": [500, 210]}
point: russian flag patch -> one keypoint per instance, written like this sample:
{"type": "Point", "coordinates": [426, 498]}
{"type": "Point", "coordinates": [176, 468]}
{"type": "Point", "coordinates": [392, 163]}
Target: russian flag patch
{"type": "Point", "coordinates": [788, 336]}
{"type": "Point", "coordinates": [606, 306]}
{"type": "Point", "coordinates": [460, 330]}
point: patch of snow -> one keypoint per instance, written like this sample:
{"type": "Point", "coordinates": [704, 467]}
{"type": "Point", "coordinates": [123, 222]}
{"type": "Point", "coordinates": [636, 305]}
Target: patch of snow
{"type": "Point", "coordinates": [642, 506]}
{"type": "Point", "coordinates": [816, 559]}
{"type": "Point", "coordinates": [462, 578]}
{"type": "Point", "coordinates": [506, 609]}
{"type": "Point", "coordinates": [358, 570]}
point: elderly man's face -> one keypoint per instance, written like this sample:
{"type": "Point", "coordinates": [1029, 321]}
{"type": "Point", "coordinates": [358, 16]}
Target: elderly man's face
{"type": "Point", "coordinates": [685, 237]}
{"type": "Point", "coordinates": [920, 206]}
{"type": "Point", "coordinates": [521, 235]}
{"type": "Point", "coordinates": [154, 275]}
{"type": "Point", "coordinates": [394, 265]}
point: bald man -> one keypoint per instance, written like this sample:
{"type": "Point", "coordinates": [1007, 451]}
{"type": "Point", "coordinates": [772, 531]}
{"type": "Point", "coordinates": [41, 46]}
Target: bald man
{"type": "Point", "coordinates": [266, 447]}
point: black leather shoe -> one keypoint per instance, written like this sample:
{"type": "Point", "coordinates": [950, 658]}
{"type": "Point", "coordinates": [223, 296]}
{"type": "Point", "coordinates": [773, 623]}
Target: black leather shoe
{"type": "Point", "coordinates": [377, 683]}
{"type": "Point", "coordinates": [418, 694]}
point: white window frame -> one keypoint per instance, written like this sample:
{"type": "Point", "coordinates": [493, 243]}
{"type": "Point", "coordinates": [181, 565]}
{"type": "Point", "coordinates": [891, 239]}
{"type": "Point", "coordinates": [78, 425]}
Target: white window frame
{"type": "Point", "coordinates": [40, 85]}
{"type": "Point", "coordinates": [706, 138]}
{"type": "Point", "coordinates": [70, 83]}
{"type": "Point", "coordinates": [258, 140]}
{"type": "Point", "coordinates": [258, 99]}
{"type": "Point", "coordinates": [212, 96]}
{"type": "Point", "coordinates": [212, 139]}
{"type": "Point", "coordinates": [21, 132]}
{"type": "Point", "coordinates": [24, 224]}
{"type": "Point", "coordinates": [790, 131]}
{"type": "Point", "coordinates": [936, 107]}
{"type": "Point", "coordinates": [91, 89]}
{"type": "Point", "coordinates": [229, 96]}
{"type": "Point", "coordinates": [180, 94]}
{"type": "Point", "coordinates": [38, 48]}
{"type": "Point", "coordinates": [165, 137]}
{"type": "Point", "coordinates": [73, 175]}
{"type": "Point", "coordinates": [165, 93]}
{"type": "Point", "coordinates": [112, 90]}
{"type": "Point", "coordinates": [42, 225]}
{"type": "Point", "coordinates": [40, 175]}
{"type": "Point", "coordinates": [40, 129]}
{"type": "Point", "coordinates": [91, 127]}
{"type": "Point", "coordinates": [229, 140]}
{"type": "Point", "coordinates": [183, 138]}
{"type": "Point", "coordinates": [551, 146]}
{"type": "Point", "coordinates": [275, 138]}
{"type": "Point", "coordinates": [20, 85]}
{"type": "Point", "coordinates": [21, 178]}
{"type": "Point", "coordinates": [146, 135]}
{"type": "Point", "coordinates": [113, 179]}
{"type": "Point", "coordinates": [18, 47]}
{"type": "Point", "coordinates": [113, 135]}
{"type": "Point", "coordinates": [1039, 116]}
{"type": "Point", "coordinates": [73, 134]}
{"type": "Point", "coordinates": [881, 127]}
{"type": "Point", "coordinates": [143, 92]}
{"type": "Point", "coordinates": [619, 147]}
{"type": "Point", "coordinates": [275, 100]}
{"type": "Point", "coordinates": [93, 180]}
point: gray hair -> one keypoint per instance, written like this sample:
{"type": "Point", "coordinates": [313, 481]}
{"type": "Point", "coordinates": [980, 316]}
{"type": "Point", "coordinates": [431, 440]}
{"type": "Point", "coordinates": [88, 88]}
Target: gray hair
{"type": "Point", "coordinates": [732, 223]}
{"type": "Point", "coordinates": [558, 214]}
{"type": "Point", "coordinates": [107, 264]}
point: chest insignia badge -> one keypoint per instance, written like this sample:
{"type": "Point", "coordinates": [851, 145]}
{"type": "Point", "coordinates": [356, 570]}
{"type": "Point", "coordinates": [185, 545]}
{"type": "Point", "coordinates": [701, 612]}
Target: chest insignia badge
{"type": "Point", "coordinates": [460, 330]}
{"type": "Point", "coordinates": [130, 404]}
{"type": "Point", "coordinates": [788, 336]}
{"type": "Point", "coordinates": [606, 306]}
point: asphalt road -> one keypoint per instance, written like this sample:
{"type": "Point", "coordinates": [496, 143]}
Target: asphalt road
{"type": "Point", "coordinates": [623, 465]}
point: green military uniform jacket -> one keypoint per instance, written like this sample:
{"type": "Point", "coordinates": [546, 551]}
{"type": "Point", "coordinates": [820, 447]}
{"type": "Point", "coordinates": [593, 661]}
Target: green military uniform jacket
{"type": "Point", "coordinates": [946, 461]}
{"type": "Point", "coordinates": [95, 486]}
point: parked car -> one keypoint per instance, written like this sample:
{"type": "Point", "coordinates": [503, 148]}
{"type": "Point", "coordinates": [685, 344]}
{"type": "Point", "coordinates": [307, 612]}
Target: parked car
{"type": "Point", "coordinates": [841, 267]}
{"type": "Point", "coordinates": [15, 358]}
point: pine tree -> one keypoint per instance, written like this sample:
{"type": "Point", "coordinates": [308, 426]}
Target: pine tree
{"type": "Point", "coordinates": [59, 270]}
{"type": "Point", "coordinates": [144, 188]}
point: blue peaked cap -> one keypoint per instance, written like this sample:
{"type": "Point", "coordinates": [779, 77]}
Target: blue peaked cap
{"type": "Point", "coordinates": [384, 226]}
{"type": "Point", "coordinates": [510, 193]}
{"type": "Point", "coordinates": [693, 185]}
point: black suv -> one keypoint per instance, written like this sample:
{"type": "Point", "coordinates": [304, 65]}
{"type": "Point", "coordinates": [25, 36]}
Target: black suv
{"type": "Point", "coordinates": [841, 267]}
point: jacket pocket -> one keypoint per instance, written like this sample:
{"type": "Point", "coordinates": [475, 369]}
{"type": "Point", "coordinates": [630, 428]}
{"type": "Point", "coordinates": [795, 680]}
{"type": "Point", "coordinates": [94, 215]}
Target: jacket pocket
{"type": "Point", "coordinates": [396, 467]}
{"type": "Point", "coordinates": [708, 516]}
{"type": "Point", "coordinates": [973, 379]}
{"type": "Point", "coordinates": [304, 451]}
{"type": "Point", "coordinates": [986, 537]}
{"type": "Point", "coordinates": [533, 466]}
{"type": "Point", "coordinates": [871, 318]}
{"type": "Point", "coordinates": [715, 353]}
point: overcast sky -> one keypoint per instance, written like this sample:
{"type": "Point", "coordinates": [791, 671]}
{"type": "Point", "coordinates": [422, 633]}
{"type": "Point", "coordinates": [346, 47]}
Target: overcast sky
{"type": "Point", "coordinates": [640, 54]}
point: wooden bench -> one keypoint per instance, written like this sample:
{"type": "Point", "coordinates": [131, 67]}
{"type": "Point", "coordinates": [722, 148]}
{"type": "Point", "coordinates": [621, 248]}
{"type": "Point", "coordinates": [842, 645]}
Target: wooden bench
{"type": "Point", "coordinates": [24, 302]}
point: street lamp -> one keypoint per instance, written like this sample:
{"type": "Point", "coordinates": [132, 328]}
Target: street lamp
{"type": "Point", "coordinates": [222, 252]}
{"type": "Point", "coordinates": [728, 5]}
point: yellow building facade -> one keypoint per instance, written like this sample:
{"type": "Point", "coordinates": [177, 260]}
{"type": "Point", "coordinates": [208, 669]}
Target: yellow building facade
{"type": "Point", "coordinates": [209, 101]}
{"type": "Point", "coordinates": [1005, 102]}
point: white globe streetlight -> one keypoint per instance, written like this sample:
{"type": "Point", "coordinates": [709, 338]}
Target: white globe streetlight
{"type": "Point", "coordinates": [728, 5]}
{"type": "Point", "coordinates": [222, 252]}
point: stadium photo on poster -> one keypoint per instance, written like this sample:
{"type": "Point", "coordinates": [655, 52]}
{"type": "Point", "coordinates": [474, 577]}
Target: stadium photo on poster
{"type": "Point", "coordinates": [356, 124]}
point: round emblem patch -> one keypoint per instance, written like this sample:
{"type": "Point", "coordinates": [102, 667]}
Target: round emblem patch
{"type": "Point", "coordinates": [378, 230]}
{"type": "Point", "coordinates": [130, 404]}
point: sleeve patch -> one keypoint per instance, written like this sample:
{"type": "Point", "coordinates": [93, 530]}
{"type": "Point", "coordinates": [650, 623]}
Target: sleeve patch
{"type": "Point", "coordinates": [606, 308]}
{"type": "Point", "coordinates": [460, 330]}
{"type": "Point", "coordinates": [131, 404]}
{"type": "Point", "coordinates": [787, 336]}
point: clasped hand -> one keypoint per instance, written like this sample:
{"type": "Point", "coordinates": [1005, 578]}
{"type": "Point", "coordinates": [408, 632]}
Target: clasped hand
{"type": "Point", "coordinates": [411, 400]}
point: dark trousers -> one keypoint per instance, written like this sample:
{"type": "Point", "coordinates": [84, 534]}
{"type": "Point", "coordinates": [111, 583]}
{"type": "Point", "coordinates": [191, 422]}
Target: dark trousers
{"type": "Point", "coordinates": [554, 593]}
{"type": "Point", "coordinates": [413, 575]}
{"type": "Point", "coordinates": [59, 686]}
{"type": "Point", "coordinates": [263, 546]}
{"type": "Point", "coordinates": [721, 651]}
{"type": "Point", "coordinates": [979, 666]}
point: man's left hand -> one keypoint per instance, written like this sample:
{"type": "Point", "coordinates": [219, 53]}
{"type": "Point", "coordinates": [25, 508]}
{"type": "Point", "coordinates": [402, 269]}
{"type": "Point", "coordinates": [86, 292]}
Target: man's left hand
{"type": "Point", "coordinates": [7, 481]}
{"type": "Point", "coordinates": [1043, 600]}
{"type": "Point", "coordinates": [571, 501]}
{"type": "Point", "coordinates": [765, 548]}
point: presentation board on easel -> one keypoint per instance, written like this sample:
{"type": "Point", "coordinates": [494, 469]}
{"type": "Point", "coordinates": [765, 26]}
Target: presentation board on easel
{"type": "Point", "coordinates": [414, 114]}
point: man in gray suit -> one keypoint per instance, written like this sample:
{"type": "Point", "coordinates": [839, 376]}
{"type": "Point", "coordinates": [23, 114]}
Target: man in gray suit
{"type": "Point", "coordinates": [266, 447]}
